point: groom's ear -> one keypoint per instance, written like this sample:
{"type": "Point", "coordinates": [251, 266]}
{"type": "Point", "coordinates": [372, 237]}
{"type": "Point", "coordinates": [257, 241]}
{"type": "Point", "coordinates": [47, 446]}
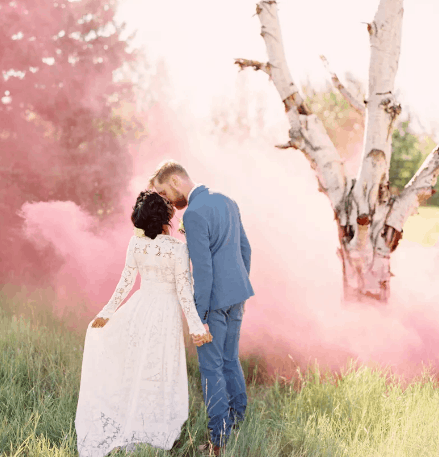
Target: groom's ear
{"type": "Point", "coordinates": [175, 180]}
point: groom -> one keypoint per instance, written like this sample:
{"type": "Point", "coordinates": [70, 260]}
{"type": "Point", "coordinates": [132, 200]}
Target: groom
{"type": "Point", "coordinates": [220, 254]}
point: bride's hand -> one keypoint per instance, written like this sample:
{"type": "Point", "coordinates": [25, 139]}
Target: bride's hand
{"type": "Point", "coordinates": [99, 322]}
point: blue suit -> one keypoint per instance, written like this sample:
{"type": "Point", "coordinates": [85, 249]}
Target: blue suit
{"type": "Point", "coordinates": [220, 253]}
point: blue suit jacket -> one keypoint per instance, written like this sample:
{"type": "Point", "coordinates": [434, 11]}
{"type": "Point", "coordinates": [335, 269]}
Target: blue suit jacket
{"type": "Point", "coordinates": [219, 251]}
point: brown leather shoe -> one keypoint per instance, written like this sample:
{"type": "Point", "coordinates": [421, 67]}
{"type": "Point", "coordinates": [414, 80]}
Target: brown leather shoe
{"type": "Point", "coordinates": [211, 449]}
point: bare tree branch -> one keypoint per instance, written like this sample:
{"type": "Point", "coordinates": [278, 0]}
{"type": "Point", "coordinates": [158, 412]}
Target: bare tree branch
{"type": "Point", "coordinates": [306, 130]}
{"type": "Point", "coordinates": [371, 187]}
{"type": "Point", "coordinates": [244, 63]}
{"type": "Point", "coordinates": [359, 107]}
{"type": "Point", "coordinates": [419, 189]}
{"type": "Point", "coordinates": [285, 146]}
{"type": "Point", "coordinates": [369, 221]}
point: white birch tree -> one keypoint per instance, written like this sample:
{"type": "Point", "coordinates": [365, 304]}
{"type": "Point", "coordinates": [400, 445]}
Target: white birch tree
{"type": "Point", "coordinates": [370, 221]}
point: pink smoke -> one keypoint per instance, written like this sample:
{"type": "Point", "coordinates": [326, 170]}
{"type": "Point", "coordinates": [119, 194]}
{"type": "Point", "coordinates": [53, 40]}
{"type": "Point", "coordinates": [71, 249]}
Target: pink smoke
{"type": "Point", "coordinates": [296, 316]}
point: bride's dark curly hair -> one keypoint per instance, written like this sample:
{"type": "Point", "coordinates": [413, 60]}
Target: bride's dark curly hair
{"type": "Point", "coordinates": [151, 212]}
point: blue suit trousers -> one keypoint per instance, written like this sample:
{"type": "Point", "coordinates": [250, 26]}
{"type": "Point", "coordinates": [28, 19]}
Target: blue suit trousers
{"type": "Point", "coordinates": [222, 378]}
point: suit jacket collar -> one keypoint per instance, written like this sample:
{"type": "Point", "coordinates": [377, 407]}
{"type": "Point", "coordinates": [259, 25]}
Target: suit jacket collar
{"type": "Point", "coordinates": [196, 192]}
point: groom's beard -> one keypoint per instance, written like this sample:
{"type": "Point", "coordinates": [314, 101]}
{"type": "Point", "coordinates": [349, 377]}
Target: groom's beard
{"type": "Point", "coordinates": [180, 201]}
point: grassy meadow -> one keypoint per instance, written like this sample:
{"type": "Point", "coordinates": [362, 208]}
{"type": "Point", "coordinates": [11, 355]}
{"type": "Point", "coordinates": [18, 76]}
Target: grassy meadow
{"type": "Point", "coordinates": [359, 412]}
{"type": "Point", "coordinates": [423, 227]}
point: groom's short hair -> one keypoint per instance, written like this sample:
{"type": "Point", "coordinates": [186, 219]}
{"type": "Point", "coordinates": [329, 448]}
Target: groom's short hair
{"type": "Point", "coordinates": [165, 170]}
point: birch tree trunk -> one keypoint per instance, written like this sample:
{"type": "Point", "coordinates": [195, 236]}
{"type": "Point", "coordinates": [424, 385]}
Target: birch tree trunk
{"type": "Point", "coordinates": [370, 222]}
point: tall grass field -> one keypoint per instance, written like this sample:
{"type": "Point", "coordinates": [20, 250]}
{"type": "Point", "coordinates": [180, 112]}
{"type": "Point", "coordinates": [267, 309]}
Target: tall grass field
{"type": "Point", "coordinates": [362, 412]}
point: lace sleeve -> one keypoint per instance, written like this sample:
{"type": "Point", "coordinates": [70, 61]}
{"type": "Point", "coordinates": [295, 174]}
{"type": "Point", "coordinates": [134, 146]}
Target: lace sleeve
{"type": "Point", "coordinates": [183, 281]}
{"type": "Point", "coordinates": [124, 285]}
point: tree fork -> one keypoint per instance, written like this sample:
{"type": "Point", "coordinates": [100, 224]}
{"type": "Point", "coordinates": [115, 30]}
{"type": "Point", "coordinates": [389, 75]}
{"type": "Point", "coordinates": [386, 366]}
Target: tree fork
{"type": "Point", "coordinates": [370, 221]}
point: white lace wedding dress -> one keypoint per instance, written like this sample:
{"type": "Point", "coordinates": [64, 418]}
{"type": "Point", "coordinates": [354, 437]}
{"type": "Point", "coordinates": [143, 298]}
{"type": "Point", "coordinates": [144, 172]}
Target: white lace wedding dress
{"type": "Point", "coordinates": [134, 379]}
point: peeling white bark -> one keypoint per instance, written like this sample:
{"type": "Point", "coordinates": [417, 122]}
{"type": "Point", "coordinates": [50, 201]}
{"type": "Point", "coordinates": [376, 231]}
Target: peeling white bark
{"type": "Point", "coordinates": [324, 158]}
{"type": "Point", "coordinates": [306, 130]}
{"type": "Point", "coordinates": [270, 32]}
{"type": "Point", "coordinates": [373, 241]}
{"type": "Point", "coordinates": [381, 108]}
{"type": "Point", "coordinates": [370, 222]}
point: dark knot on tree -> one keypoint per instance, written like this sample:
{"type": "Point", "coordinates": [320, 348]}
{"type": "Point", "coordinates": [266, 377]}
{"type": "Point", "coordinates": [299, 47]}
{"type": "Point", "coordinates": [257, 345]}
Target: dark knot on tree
{"type": "Point", "coordinates": [363, 219]}
{"type": "Point", "coordinates": [391, 236]}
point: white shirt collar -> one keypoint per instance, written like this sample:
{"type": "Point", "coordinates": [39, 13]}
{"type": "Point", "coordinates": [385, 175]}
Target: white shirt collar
{"type": "Point", "coordinates": [193, 188]}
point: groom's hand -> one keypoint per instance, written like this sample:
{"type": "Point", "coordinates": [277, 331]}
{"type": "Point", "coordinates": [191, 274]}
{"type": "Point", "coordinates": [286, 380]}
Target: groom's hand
{"type": "Point", "coordinates": [199, 340]}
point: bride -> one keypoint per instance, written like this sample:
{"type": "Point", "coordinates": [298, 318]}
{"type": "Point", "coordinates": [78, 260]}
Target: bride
{"type": "Point", "coordinates": [134, 379]}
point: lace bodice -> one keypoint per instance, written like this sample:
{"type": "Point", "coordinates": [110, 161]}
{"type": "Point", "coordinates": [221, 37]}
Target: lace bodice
{"type": "Point", "coordinates": [163, 264]}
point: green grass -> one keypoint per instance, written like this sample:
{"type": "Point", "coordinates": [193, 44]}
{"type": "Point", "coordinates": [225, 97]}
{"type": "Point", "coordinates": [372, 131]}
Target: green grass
{"type": "Point", "coordinates": [360, 412]}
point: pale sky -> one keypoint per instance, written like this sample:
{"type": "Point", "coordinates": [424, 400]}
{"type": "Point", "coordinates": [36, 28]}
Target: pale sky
{"type": "Point", "coordinates": [198, 40]}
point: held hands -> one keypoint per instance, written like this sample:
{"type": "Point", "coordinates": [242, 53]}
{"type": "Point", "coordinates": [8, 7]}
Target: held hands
{"type": "Point", "coordinates": [99, 322]}
{"type": "Point", "coordinates": [199, 340]}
